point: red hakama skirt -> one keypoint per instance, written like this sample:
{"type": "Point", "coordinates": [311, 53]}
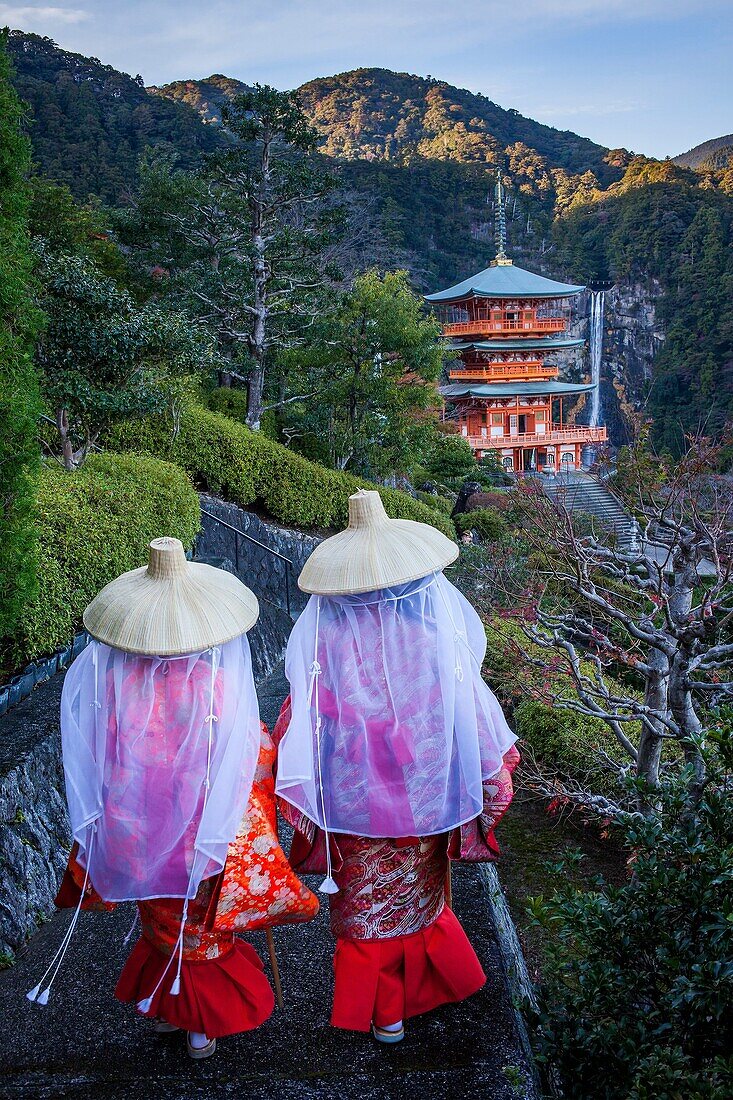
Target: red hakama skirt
{"type": "Point", "coordinates": [223, 986]}
{"type": "Point", "coordinates": [392, 979]}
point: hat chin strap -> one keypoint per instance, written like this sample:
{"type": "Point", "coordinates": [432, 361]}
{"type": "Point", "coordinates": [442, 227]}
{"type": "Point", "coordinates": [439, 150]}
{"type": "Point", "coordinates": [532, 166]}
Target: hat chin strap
{"type": "Point", "coordinates": [329, 884]}
{"type": "Point", "coordinates": [35, 994]}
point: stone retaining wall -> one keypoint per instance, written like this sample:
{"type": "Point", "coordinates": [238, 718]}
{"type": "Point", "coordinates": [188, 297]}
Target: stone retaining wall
{"type": "Point", "coordinates": [261, 571]}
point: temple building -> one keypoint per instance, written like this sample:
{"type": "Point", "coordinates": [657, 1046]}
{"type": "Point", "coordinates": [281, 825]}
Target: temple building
{"type": "Point", "coordinates": [506, 324]}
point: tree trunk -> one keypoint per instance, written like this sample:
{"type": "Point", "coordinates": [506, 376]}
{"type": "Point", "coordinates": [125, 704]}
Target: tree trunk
{"type": "Point", "coordinates": [656, 699]}
{"type": "Point", "coordinates": [255, 393]}
{"type": "Point", "coordinates": [258, 337]}
{"type": "Point", "coordinates": [680, 696]}
{"type": "Point", "coordinates": [67, 449]}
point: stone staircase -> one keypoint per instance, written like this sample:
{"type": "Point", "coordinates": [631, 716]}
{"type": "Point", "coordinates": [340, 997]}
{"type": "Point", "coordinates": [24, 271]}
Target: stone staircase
{"type": "Point", "coordinates": [582, 492]}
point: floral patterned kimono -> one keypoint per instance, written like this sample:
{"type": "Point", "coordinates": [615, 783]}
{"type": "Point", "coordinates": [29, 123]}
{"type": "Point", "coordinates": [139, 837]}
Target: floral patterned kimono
{"type": "Point", "coordinates": [223, 989]}
{"type": "Point", "coordinates": [400, 950]}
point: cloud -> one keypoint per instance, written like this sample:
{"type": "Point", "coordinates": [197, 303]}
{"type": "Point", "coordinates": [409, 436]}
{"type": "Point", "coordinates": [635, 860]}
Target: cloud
{"type": "Point", "coordinates": [30, 16]}
{"type": "Point", "coordinates": [597, 109]}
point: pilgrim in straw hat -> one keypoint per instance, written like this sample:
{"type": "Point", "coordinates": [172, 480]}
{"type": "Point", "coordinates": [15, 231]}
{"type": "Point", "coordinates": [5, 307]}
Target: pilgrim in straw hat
{"type": "Point", "coordinates": [393, 753]}
{"type": "Point", "coordinates": [375, 552]}
{"type": "Point", "coordinates": [169, 786]}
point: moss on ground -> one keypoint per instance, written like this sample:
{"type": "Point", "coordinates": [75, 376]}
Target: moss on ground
{"type": "Point", "coordinates": [531, 840]}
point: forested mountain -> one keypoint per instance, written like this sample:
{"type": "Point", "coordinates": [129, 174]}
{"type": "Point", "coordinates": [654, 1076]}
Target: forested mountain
{"type": "Point", "coordinates": [207, 97]}
{"type": "Point", "coordinates": [710, 154]}
{"type": "Point", "coordinates": [376, 114]}
{"type": "Point", "coordinates": [90, 123]}
{"type": "Point", "coordinates": [420, 156]}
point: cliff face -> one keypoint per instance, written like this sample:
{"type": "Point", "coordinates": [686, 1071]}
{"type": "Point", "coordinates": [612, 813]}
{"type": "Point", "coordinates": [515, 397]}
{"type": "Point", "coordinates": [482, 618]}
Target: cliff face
{"type": "Point", "coordinates": [632, 336]}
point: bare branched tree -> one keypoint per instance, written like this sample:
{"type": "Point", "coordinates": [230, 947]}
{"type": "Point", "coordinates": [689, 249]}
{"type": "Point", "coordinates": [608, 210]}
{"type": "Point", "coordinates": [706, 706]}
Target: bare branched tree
{"type": "Point", "coordinates": [642, 632]}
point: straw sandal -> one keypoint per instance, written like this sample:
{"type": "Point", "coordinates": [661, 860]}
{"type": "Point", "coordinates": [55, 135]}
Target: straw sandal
{"type": "Point", "coordinates": [383, 1035]}
{"type": "Point", "coordinates": [200, 1052]}
{"type": "Point", "coordinates": [162, 1027]}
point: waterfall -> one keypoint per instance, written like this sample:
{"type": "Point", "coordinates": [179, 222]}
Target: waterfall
{"type": "Point", "coordinates": [597, 305]}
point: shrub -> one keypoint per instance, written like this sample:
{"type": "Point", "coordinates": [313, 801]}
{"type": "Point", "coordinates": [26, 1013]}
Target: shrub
{"type": "Point", "coordinates": [452, 457]}
{"type": "Point", "coordinates": [637, 1001]}
{"type": "Point", "coordinates": [490, 471]}
{"type": "Point", "coordinates": [436, 502]}
{"type": "Point", "coordinates": [231, 402]}
{"type": "Point", "coordinates": [500, 500]}
{"type": "Point", "coordinates": [19, 396]}
{"type": "Point", "coordinates": [488, 524]}
{"type": "Point", "coordinates": [94, 524]}
{"type": "Point", "coordinates": [249, 469]}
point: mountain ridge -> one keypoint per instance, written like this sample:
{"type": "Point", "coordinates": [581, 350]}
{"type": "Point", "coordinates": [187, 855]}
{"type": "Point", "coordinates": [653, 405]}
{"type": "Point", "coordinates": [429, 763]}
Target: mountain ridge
{"type": "Point", "coordinates": [375, 113]}
{"type": "Point", "coordinates": [713, 153]}
{"type": "Point", "coordinates": [91, 122]}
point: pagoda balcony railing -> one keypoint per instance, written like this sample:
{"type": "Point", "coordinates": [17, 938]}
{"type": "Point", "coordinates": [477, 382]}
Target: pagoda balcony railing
{"type": "Point", "coordinates": [510, 328]}
{"type": "Point", "coordinates": [579, 434]}
{"type": "Point", "coordinates": [513, 371]}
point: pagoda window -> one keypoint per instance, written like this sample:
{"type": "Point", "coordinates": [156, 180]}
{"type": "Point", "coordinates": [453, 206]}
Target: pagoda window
{"type": "Point", "coordinates": [508, 463]}
{"type": "Point", "coordinates": [540, 414]}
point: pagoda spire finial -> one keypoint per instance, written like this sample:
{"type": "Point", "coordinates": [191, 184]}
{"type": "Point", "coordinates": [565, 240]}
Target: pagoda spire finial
{"type": "Point", "coordinates": [501, 256]}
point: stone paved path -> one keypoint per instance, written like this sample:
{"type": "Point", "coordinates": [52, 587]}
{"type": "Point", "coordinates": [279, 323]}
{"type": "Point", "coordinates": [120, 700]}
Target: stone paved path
{"type": "Point", "coordinates": [86, 1045]}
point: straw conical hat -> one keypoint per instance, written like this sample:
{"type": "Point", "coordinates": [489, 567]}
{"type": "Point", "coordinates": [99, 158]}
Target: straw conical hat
{"type": "Point", "coordinates": [375, 552]}
{"type": "Point", "coordinates": [171, 606]}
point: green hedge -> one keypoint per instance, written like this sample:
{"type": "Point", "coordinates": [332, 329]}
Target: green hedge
{"type": "Point", "coordinates": [94, 524]}
{"type": "Point", "coordinates": [489, 525]}
{"type": "Point", "coordinates": [437, 503]}
{"type": "Point", "coordinates": [571, 742]}
{"type": "Point", "coordinates": [249, 469]}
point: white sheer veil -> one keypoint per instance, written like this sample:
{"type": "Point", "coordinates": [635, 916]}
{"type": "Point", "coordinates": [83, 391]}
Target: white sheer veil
{"type": "Point", "coordinates": [159, 757]}
{"type": "Point", "coordinates": [393, 729]}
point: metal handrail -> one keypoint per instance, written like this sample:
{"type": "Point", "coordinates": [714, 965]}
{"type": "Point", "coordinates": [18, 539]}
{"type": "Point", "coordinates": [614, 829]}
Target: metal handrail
{"type": "Point", "coordinates": [250, 538]}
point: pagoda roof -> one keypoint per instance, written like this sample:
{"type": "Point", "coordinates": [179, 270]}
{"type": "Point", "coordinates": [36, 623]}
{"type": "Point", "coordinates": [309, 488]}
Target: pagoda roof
{"type": "Point", "coordinates": [535, 343]}
{"type": "Point", "coordinates": [504, 280]}
{"type": "Point", "coordinates": [513, 389]}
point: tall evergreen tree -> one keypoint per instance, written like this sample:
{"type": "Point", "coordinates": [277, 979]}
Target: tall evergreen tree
{"type": "Point", "coordinates": [19, 397]}
{"type": "Point", "coordinates": [244, 242]}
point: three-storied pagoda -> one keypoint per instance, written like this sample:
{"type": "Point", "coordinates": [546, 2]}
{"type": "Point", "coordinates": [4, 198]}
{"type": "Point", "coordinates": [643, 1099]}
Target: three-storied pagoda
{"type": "Point", "coordinates": [506, 323]}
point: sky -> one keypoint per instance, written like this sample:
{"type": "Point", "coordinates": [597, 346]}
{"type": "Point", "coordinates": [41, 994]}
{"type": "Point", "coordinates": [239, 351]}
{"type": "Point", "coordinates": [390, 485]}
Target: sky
{"type": "Point", "coordinates": [654, 76]}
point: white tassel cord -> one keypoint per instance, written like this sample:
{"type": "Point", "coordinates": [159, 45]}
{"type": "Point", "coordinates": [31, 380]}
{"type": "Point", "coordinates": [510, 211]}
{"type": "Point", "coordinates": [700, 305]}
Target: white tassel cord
{"type": "Point", "coordinates": [133, 926]}
{"type": "Point", "coordinates": [35, 994]}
